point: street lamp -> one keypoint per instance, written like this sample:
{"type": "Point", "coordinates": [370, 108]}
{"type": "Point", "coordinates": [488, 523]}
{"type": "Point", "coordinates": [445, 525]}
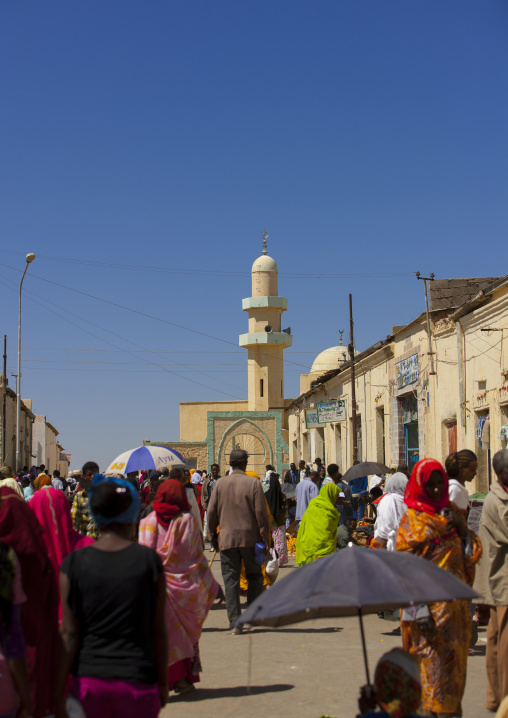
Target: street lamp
{"type": "Point", "coordinates": [29, 258]}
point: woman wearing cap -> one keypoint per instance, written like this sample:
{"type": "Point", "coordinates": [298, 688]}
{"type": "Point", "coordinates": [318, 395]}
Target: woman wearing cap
{"type": "Point", "coordinates": [113, 628]}
{"type": "Point", "coordinates": [172, 531]}
{"type": "Point", "coordinates": [438, 635]}
{"type": "Point", "coordinates": [397, 687]}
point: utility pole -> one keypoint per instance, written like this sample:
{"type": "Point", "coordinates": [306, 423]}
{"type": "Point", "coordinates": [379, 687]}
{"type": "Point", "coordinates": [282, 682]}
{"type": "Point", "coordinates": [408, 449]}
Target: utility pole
{"type": "Point", "coordinates": [430, 352]}
{"type": "Point", "coordinates": [351, 349]}
{"type": "Point", "coordinates": [4, 399]}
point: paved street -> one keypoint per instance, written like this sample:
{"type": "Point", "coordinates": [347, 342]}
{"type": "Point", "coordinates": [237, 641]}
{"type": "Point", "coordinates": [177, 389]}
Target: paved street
{"type": "Point", "coordinates": [307, 670]}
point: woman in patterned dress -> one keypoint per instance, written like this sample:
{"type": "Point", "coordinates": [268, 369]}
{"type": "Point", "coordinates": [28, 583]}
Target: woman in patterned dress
{"type": "Point", "coordinates": [278, 514]}
{"type": "Point", "coordinates": [435, 529]}
{"type": "Point", "coordinates": [172, 531]}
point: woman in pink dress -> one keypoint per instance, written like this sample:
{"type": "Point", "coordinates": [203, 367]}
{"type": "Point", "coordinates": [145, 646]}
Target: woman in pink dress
{"type": "Point", "coordinates": [53, 513]}
{"type": "Point", "coordinates": [172, 531]}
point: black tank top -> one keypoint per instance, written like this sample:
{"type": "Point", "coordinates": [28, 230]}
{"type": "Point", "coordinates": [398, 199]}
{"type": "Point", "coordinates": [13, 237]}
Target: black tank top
{"type": "Point", "coordinates": [113, 596]}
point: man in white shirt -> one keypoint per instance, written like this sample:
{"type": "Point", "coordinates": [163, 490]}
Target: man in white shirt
{"type": "Point", "coordinates": [56, 481]}
{"type": "Point", "coordinates": [306, 490]}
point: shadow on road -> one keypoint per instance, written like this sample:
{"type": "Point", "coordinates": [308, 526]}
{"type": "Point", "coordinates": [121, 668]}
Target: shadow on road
{"type": "Point", "coordinates": [205, 694]}
{"type": "Point", "coordinates": [268, 629]}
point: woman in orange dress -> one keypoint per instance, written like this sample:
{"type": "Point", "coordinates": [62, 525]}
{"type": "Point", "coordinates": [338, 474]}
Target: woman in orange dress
{"type": "Point", "coordinates": [435, 529]}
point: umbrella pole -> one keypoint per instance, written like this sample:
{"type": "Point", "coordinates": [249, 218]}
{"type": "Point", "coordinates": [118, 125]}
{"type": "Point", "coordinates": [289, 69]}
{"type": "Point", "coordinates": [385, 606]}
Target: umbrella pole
{"type": "Point", "coordinates": [364, 646]}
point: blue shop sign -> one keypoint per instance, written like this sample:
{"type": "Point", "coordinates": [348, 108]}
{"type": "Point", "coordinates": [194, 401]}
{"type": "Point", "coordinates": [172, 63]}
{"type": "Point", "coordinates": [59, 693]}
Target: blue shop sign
{"type": "Point", "coordinates": [407, 371]}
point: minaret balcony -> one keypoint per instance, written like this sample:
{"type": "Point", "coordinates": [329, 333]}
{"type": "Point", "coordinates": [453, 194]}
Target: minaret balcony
{"type": "Point", "coordinates": [264, 303]}
{"type": "Point", "coordinates": [253, 339]}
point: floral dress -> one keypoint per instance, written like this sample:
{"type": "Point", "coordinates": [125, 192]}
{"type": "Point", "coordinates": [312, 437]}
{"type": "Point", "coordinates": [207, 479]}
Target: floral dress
{"type": "Point", "coordinates": [441, 652]}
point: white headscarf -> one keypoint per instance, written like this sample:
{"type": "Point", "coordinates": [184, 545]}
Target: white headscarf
{"type": "Point", "coordinates": [396, 484]}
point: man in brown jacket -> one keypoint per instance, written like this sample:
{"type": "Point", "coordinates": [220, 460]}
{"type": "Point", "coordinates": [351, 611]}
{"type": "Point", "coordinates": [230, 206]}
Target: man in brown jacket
{"type": "Point", "coordinates": [238, 507]}
{"type": "Point", "coordinates": [492, 580]}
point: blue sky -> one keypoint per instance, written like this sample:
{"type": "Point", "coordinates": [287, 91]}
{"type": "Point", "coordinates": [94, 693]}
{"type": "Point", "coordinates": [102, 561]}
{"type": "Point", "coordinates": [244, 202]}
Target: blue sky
{"type": "Point", "coordinates": [146, 146]}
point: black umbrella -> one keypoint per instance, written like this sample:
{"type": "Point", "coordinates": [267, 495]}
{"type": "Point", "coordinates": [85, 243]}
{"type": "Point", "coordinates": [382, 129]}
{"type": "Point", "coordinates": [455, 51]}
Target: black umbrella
{"type": "Point", "coordinates": [377, 580]}
{"type": "Point", "coordinates": [366, 468]}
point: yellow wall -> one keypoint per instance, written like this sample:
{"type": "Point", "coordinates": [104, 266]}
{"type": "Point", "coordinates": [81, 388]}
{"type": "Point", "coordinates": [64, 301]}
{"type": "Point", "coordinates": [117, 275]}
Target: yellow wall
{"type": "Point", "coordinates": [193, 416]}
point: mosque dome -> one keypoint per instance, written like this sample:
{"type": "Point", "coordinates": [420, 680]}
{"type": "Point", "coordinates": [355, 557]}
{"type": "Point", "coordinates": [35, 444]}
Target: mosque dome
{"type": "Point", "coordinates": [265, 264]}
{"type": "Point", "coordinates": [331, 358]}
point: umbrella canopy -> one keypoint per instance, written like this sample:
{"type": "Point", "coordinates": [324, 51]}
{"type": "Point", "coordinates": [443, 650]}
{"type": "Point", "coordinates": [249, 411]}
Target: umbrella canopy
{"type": "Point", "coordinates": [288, 490]}
{"type": "Point", "coordinates": [320, 589]}
{"type": "Point", "coordinates": [366, 468]}
{"type": "Point", "coordinates": [146, 458]}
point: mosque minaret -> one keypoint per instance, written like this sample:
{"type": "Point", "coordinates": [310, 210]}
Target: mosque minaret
{"type": "Point", "coordinates": [265, 340]}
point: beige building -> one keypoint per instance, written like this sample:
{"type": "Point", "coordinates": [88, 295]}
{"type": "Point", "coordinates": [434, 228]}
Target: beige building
{"type": "Point", "coordinates": [8, 428]}
{"type": "Point", "coordinates": [210, 430]}
{"type": "Point", "coordinates": [404, 411]}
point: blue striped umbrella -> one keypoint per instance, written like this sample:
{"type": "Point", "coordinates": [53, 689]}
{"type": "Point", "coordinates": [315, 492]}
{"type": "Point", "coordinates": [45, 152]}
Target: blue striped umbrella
{"type": "Point", "coordinates": [145, 458]}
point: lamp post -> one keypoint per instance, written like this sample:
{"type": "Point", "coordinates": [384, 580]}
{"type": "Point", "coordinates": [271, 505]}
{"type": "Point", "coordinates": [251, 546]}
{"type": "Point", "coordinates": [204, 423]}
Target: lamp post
{"type": "Point", "coordinates": [29, 258]}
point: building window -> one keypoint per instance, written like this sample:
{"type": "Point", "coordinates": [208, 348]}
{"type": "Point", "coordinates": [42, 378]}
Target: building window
{"type": "Point", "coordinates": [261, 387]}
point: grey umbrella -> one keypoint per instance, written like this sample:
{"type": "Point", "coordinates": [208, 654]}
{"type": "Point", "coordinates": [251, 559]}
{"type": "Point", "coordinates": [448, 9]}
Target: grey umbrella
{"type": "Point", "coordinates": [376, 581]}
{"type": "Point", "coordinates": [288, 490]}
{"type": "Point", "coordinates": [366, 468]}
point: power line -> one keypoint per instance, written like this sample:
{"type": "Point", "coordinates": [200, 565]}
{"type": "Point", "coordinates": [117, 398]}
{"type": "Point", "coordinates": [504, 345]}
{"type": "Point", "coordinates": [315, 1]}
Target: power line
{"type": "Point", "coordinates": [211, 272]}
{"type": "Point", "coordinates": [134, 311]}
{"type": "Point", "coordinates": [169, 371]}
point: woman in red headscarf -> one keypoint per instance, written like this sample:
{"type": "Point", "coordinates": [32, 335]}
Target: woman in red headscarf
{"type": "Point", "coordinates": [438, 635]}
{"type": "Point", "coordinates": [20, 530]}
{"type": "Point", "coordinates": [172, 531]}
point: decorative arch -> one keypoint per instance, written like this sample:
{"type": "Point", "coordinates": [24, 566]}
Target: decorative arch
{"type": "Point", "coordinates": [234, 429]}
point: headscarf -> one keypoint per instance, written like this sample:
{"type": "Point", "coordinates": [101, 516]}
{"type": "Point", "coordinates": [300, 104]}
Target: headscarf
{"type": "Point", "coordinates": [274, 496]}
{"type": "Point", "coordinates": [6, 472]}
{"type": "Point", "coordinates": [129, 515]}
{"type": "Point", "coordinates": [317, 535]}
{"type": "Point", "coordinates": [170, 501]}
{"type": "Point", "coordinates": [415, 496]}
{"type": "Point", "coordinates": [396, 484]}
{"type": "Point", "coordinates": [54, 515]}
{"type": "Point", "coordinates": [196, 477]}
{"type": "Point", "coordinates": [375, 481]}
{"type": "Point", "coordinates": [42, 480]}
{"type": "Point", "coordinates": [397, 683]}
{"type": "Point", "coordinates": [20, 529]}
{"type": "Point", "coordinates": [13, 484]}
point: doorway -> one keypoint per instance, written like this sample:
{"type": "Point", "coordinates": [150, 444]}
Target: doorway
{"type": "Point", "coordinates": [410, 421]}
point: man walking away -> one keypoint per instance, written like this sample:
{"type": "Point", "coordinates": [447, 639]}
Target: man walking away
{"type": "Point", "coordinates": [238, 506]}
{"type": "Point", "coordinates": [306, 490]}
{"type": "Point", "coordinates": [492, 580]}
{"type": "Point", "coordinates": [57, 482]}
{"type": "Point", "coordinates": [82, 520]}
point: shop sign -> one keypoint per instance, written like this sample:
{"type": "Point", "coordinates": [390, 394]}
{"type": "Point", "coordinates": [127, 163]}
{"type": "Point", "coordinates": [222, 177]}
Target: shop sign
{"type": "Point", "coordinates": [331, 411]}
{"type": "Point", "coordinates": [407, 371]}
{"type": "Point", "coordinates": [311, 419]}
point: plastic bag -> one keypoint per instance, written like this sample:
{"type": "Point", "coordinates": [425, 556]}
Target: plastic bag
{"type": "Point", "coordinates": [272, 565]}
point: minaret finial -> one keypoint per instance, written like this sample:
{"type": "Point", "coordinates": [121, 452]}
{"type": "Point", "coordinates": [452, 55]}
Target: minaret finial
{"type": "Point", "coordinates": [341, 332]}
{"type": "Point", "coordinates": [265, 237]}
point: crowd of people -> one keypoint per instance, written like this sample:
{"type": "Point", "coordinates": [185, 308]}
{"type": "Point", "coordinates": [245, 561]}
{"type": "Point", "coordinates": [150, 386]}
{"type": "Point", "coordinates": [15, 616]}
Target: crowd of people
{"type": "Point", "coordinates": [118, 565]}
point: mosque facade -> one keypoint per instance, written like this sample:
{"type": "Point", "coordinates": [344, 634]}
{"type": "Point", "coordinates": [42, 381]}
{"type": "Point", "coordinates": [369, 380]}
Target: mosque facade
{"type": "Point", "coordinates": [209, 431]}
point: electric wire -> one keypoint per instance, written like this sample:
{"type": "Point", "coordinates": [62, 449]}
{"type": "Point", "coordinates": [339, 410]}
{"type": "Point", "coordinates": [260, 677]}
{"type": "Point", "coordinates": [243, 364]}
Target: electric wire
{"type": "Point", "coordinates": [136, 311]}
{"type": "Point", "coordinates": [37, 301]}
